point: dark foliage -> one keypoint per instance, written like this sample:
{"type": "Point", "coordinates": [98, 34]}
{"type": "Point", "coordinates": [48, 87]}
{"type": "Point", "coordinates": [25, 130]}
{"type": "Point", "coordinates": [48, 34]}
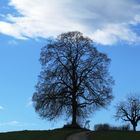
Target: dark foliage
{"type": "Point", "coordinates": [107, 127]}
{"type": "Point", "coordinates": [72, 126]}
{"type": "Point", "coordinates": [101, 127]}
{"type": "Point", "coordinates": [74, 79]}
{"type": "Point", "coordinates": [129, 110]}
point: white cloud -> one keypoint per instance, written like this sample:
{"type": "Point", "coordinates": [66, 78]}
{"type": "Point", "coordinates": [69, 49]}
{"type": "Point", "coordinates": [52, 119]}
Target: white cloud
{"type": "Point", "coordinates": [112, 33]}
{"type": "Point", "coordinates": [105, 21]}
{"type": "Point", "coordinates": [11, 29]}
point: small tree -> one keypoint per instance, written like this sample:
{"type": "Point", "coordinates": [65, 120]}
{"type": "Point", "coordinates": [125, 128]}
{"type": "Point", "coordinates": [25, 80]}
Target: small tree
{"type": "Point", "coordinates": [74, 79]}
{"type": "Point", "coordinates": [129, 110]}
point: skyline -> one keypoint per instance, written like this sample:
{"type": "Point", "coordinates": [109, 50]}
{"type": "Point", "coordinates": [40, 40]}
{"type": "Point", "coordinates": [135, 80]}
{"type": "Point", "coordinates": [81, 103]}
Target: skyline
{"type": "Point", "coordinates": [21, 40]}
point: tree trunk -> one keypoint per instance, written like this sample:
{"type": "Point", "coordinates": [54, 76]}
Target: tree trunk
{"type": "Point", "coordinates": [74, 111]}
{"type": "Point", "coordinates": [134, 128]}
{"type": "Point", "coordinates": [74, 121]}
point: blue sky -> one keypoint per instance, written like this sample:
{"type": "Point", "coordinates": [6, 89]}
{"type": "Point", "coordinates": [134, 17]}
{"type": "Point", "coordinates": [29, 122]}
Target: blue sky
{"type": "Point", "coordinates": [115, 29]}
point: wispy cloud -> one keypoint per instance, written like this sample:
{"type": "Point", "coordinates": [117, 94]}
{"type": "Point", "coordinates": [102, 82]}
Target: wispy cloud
{"type": "Point", "coordinates": [1, 107]}
{"type": "Point", "coordinates": [13, 42]}
{"type": "Point", "coordinates": [29, 102]}
{"type": "Point", "coordinates": [16, 123]}
{"type": "Point", "coordinates": [10, 123]}
{"type": "Point", "coordinates": [105, 21]}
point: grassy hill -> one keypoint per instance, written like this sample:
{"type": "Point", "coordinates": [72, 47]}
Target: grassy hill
{"type": "Point", "coordinates": [61, 134]}
{"type": "Point", "coordinates": [57, 134]}
{"type": "Point", "coordinates": [112, 135]}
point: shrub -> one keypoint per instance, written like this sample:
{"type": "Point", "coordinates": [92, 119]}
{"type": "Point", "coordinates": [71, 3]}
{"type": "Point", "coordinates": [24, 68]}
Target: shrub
{"type": "Point", "coordinates": [76, 126]}
{"type": "Point", "coordinates": [102, 127]}
{"type": "Point", "coordinates": [107, 127]}
{"type": "Point", "coordinates": [125, 127]}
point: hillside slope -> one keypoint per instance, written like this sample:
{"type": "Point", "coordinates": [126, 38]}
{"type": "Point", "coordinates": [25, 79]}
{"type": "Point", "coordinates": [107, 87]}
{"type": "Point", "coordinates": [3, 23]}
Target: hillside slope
{"type": "Point", "coordinates": [60, 134]}
{"type": "Point", "coordinates": [115, 135]}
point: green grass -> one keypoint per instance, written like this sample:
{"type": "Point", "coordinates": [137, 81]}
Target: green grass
{"type": "Point", "coordinates": [58, 134]}
{"type": "Point", "coordinates": [61, 134]}
{"type": "Point", "coordinates": [115, 135]}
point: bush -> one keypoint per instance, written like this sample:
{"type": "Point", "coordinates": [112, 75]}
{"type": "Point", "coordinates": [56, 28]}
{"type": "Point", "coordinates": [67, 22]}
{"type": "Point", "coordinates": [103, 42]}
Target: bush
{"type": "Point", "coordinates": [125, 127]}
{"type": "Point", "coordinates": [102, 127]}
{"type": "Point", "coordinates": [76, 126]}
{"type": "Point", "coordinates": [107, 127]}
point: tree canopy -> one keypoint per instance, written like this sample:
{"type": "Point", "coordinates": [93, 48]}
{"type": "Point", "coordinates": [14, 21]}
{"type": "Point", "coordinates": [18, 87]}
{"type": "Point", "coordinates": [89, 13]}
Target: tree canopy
{"type": "Point", "coordinates": [74, 80]}
{"type": "Point", "coordinates": [129, 110]}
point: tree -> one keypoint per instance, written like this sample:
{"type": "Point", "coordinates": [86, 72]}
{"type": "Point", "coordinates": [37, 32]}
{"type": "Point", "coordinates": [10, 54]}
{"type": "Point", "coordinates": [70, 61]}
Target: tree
{"type": "Point", "coordinates": [129, 110]}
{"type": "Point", "coordinates": [74, 79]}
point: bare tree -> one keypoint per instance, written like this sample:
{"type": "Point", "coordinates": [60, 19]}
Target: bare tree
{"type": "Point", "coordinates": [74, 79]}
{"type": "Point", "coordinates": [129, 110]}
